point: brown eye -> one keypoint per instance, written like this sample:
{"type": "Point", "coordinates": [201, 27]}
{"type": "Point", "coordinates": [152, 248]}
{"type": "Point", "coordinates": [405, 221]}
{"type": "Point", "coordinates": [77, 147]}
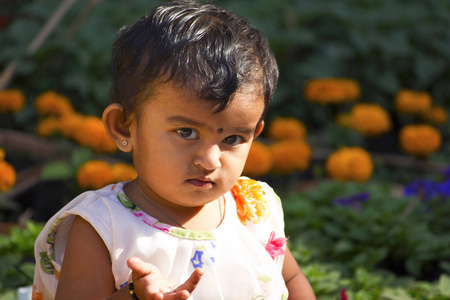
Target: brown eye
{"type": "Point", "coordinates": [187, 133]}
{"type": "Point", "coordinates": [233, 140]}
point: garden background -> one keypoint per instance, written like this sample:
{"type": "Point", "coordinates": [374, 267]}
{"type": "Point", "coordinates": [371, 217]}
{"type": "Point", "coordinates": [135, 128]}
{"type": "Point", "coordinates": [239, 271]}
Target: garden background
{"type": "Point", "coordinates": [356, 143]}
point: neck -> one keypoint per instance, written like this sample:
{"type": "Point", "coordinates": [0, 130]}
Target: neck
{"type": "Point", "coordinates": [206, 217]}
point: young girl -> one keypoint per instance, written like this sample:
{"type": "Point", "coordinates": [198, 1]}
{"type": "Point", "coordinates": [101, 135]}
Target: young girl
{"type": "Point", "coordinates": [190, 90]}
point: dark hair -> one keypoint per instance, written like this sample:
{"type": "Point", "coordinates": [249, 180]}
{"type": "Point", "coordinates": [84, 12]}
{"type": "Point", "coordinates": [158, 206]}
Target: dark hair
{"type": "Point", "coordinates": [211, 50]}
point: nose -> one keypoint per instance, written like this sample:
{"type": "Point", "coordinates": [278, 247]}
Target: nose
{"type": "Point", "coordinates": [208, 157]}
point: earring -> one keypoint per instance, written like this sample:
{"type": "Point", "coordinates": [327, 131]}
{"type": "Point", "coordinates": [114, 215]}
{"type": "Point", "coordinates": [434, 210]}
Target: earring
{"type": "Point", "coordinates": [125, 142]}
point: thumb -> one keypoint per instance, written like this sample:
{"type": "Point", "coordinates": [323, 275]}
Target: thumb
{"type": "Point", "coordinates": [140, 268]}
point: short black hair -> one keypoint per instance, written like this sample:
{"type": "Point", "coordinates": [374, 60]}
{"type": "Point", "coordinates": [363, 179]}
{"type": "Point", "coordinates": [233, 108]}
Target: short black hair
{"type": "Point", "coordinates": [210, 50]}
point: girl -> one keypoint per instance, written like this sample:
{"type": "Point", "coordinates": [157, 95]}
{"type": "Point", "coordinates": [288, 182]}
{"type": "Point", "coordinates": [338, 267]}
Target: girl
{"type": "Point", "coordinates": [191, 86]}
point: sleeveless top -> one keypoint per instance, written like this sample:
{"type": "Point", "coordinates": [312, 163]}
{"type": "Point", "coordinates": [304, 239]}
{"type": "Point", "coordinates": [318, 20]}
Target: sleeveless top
{"type": "Point", "coordinates": [241, 259]}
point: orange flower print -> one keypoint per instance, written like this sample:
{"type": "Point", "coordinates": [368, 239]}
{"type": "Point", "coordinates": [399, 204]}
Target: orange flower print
{"type": "Point", "coordinates": [37, 295]}
{"type": "Point", "coordinates": [250, 202]}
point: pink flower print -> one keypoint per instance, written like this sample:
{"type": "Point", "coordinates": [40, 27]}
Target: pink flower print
{"type": "Point", "coordinates": [275, 246]}
{"type": "Point", "coordinates": [148, 220]}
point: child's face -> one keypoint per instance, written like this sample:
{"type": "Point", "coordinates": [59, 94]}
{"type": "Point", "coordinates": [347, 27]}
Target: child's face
{"type": "Point", "coordinates": [185, 153]}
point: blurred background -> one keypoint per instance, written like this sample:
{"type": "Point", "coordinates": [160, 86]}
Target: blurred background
{"type": "Point", "coordinates": [356, 142]}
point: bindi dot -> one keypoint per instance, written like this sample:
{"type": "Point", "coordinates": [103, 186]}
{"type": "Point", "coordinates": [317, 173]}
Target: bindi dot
{"type": "Point", "coordinates": [220, 130]}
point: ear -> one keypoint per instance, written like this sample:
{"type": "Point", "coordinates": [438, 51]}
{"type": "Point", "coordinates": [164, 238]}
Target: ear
{"type": "Point", "coordinates": [117, 130]}
{"type": "Point", "coordinates": [259, 128]}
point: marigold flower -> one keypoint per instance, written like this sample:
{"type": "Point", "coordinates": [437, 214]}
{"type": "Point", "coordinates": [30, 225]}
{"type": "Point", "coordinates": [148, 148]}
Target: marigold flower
{"type": "Point", "coordinates": [286, 128]}
{"type": "Point", "coordinates": [412, 102]}
{"type": "Point", "coordinates": [350, 163]}
{"type": "Point", "coordinates": [52, 103]}
{"type": "Point", "coordinates": [420, 140]}
{"type": "Point", "coordinates": [95, 174]}
{"type": "Point", "coordinates": [11, 100]}
{"type": "Point", "coordinates": [123, 172]}
{"type": "Point", "coordinates": [332, 90]}
{"type": "Point", "coordinates": [436, 115]}
{"type": "Point", "coordinates": [70, 125]}
{"type": "Point", "coordinates": [259, 160]}
{"type": "Point", "coordinates": [7, 176]}
{"type": "Point", "coordinates": [290, 155]}
{"type": "Point", "coordinates": [250, 202]}
{"type": "Point", "coordinates": [48, 127]}
{"type": "Point", "coordinates": [92, 133]}
{"type": "Point", "coordinates": [370, 119]}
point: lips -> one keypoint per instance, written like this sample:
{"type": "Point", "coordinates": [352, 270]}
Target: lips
{"type": "Point", "coordinates": [201, 182]}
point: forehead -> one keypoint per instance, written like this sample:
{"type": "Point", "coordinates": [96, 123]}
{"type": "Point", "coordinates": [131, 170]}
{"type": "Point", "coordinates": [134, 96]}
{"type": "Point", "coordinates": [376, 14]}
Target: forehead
{"type": "Point", "coordinates": [170, 97]}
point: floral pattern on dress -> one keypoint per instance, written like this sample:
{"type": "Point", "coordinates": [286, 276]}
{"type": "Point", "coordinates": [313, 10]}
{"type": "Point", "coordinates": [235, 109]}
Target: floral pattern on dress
{"type": "Point", "coordinates": [250, 202]}
{"type": "Point", "coordinates": [275, 246]}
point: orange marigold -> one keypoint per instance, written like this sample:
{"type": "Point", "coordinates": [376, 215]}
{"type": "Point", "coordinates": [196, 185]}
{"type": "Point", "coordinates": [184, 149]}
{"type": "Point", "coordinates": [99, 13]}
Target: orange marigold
{"type": "Point", "coordinates": [436, 115]}
{"type": "Point", "coordinates": [350, 163]}
{"type": "Point", "coordinates": [95, 174]}
{"type": "Point", "coordinates": [123, 172]}
{"type": "Point", "coordinates": [290, 155]}
{"type": "Point", "coordinates": [370, 119]}
{"type": "Point", "coordinates": [332, 90]}
{"type": "Point", "coordinates": [420, 140]}
{"type": "Point", "coordinates": [7, 176]}
{"type": "Point", "coordinates": [70, 125]}
{"type": "Point", "coordinates": [286, 128]}
{"type": "Point", "coordinates": [250, 202]}
{"type": "Point", "coordinates": [92, 133]}
{"type": "Point", "coordinates": [52, 103]}
{"type": "Point", "coordinates": [11, 100]}
{"type": "Point", "coordinates": [48, 127]}
{"type": "Point", "coordinates": [412, 102]}
{"type": "Point", "coordinates": [259, 160]}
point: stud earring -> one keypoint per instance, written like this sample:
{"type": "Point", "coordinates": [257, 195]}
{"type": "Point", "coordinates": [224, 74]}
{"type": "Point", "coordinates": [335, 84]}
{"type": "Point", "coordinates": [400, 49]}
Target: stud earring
{"type": "Point", "coordinates": [125, 143]}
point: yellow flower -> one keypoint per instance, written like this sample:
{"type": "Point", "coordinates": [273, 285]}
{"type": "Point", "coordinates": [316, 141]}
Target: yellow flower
{"type": "Point", "coordinates": [412, 102]}
{"type": "Point", "coordinates": [259, 160]}
{"type": "Point", "coordinates": [92, 133]}
{"type": "Point", "coordinates": [370, 119]}
{"type": "Point", "coordinates": [11, 100]}
{"type": "Point", "coordinates": [350, 163]}
{"type": "Point", "coordinates": [7, 174]}
{"type": "Point", "coordinates": [290, 155]}
{"type": "Point", "coordinates": [52, 103]}
{"type": "Point", "coordinates": [250, 202]}
{"type": "Point", "coordinates": [436, 115]}
{"type": "Point", "coordinates": [48, 127]}
{"type": "Point", "coordinates": [332, 90]}
{"type": "Point", "coordinates": [94, 174]}
{"type": "Point", "coordinates": [420, 140]}
{"type": "Point", "coordinates": [286, 128]}
{"type": "Point", "coordinates": [123, 172]}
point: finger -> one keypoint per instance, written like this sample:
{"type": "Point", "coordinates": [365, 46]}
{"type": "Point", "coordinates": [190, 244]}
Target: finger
{"type": "Point", "coordinates": [140, 268]}
{"type": "Point", "coordinates": [191, 283]}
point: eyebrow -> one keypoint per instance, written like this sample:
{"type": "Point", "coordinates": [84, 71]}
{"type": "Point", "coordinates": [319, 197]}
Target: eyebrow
{"type": "Point", "coordinates": [184, 120]}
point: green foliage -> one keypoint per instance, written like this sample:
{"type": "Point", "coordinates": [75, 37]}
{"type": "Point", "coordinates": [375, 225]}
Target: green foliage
{"type": "Point", "coordinates": [16, 258]}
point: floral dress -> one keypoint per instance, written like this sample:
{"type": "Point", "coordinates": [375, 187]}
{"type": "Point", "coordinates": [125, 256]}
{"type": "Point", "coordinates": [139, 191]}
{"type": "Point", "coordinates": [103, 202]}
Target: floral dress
{"type": "Point", "coordinates": [241, 259]}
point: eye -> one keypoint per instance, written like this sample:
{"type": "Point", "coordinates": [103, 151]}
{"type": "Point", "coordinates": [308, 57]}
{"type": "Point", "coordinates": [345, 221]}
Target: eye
{"type": "Point", "coordinates": [187, 133]}
{"type": "Point", "coordinates": [233, 140]}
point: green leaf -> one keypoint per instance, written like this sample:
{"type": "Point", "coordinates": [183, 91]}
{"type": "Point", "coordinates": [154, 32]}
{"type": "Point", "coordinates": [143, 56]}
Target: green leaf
{"type": "Point", "coordinates": [58, 170]}
{"type": "Point", "coordinates": [395, 294]}
{"type": "Point", "coordinates": [444, 285]}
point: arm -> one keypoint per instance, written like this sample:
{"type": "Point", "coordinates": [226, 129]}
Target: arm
{"type": "Point", "coordinates": [296, 283]}
{"type": "Point", "coordinates": [86, 272]}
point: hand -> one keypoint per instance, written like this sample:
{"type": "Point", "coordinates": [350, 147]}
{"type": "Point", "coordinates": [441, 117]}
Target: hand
{"type": "Point", "coordinates": [150, 284]}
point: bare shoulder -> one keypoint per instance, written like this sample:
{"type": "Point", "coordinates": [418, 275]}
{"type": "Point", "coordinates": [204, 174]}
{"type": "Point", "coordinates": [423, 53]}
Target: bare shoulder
{"type": "Point", "coordinates": [86, 268]}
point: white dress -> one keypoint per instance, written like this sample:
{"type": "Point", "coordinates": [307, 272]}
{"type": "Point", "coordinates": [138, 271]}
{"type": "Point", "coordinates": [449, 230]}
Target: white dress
{"type": "Point", "coordinates": [241, 259]}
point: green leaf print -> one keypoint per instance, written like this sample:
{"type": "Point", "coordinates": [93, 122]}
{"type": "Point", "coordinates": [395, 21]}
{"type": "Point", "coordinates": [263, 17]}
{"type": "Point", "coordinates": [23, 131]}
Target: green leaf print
{"type": "Point", "coordinates": [193, 234]}
{"type": "Point", "coordinates": [126, 202]}
{"type": "Point", "coordinates": [46, 263]}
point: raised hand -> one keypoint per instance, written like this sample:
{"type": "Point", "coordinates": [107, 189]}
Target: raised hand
{"type": "Point", "coordinates": [150, 284]}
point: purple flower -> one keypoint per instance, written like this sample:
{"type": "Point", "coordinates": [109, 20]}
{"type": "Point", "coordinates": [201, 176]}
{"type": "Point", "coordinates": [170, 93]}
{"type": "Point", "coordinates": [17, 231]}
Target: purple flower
{"type": "Point", "coordinates": [354, 201]}
{"type": "Point", "coordinates": [425, 188]}
{"type": "Point", "coordinates": [444, 188]}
